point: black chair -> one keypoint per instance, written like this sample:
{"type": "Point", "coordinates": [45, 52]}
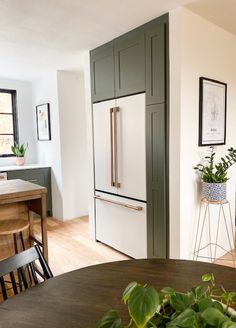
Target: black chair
{"type": "Point", "coordinates": [24, 267]}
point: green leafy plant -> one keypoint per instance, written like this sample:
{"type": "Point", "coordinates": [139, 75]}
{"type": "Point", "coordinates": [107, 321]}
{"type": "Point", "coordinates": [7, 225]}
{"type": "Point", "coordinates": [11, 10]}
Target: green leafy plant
{"type": "Point", "coordinates": [216, 173]}
{"type": "Point", "coordinates": [203, 307]}
{"type": "Point", "coordinates": [19, 150]}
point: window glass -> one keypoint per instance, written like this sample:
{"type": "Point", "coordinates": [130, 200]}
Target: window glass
{"type": "Point", "coordinates": [5, 103]}
{"type": "Point", "coordinates": [8, 124]}
{"type": "Point", "coordinates": [5, 144]}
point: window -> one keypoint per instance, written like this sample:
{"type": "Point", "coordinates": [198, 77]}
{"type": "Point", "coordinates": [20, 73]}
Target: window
{"type": "Point", "coordinates": [8, 122]}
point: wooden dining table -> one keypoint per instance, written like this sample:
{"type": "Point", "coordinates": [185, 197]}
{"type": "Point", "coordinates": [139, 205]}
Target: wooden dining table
{"type": "Point", "coordinates": [81, 297]}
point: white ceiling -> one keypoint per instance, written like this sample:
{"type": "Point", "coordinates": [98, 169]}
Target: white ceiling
{"type": "Point", "coordinates": [36, 36]}
{"type": "Point", "coordinates": [219, 12]}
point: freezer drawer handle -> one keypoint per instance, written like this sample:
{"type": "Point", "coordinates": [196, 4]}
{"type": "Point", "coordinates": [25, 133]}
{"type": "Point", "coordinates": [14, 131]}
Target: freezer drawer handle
{"type": "Point", "coordinates": [132, 207]}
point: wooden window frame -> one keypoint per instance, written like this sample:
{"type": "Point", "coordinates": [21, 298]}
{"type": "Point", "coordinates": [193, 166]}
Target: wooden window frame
{"type": "Point", "coordinates": [14, 117]}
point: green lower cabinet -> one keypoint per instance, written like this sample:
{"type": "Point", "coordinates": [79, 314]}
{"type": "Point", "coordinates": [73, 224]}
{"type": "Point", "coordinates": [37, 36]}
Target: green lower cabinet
{"type": "Point", "coordinates": [40, 176]}
{"type": "Point", "coordinates": [156, 181]}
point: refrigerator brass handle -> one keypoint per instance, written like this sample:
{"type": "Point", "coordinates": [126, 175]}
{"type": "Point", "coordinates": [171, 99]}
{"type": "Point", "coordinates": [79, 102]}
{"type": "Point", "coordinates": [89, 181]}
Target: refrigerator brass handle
{"type": "Point", "coordinates": [132, 207]}
{"type": "Point", "coordinates": [116, 110]}
{"type": "Point", "coordinates": [112, 147]}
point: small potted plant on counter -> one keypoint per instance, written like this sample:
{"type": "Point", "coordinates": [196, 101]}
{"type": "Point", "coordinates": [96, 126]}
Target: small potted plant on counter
{"type": "Point", "coordinates": [202, 307]}
{"type": "Point", "coordinates": [214, 175]}
{"type": "Point", "coordinates": [19, 151]}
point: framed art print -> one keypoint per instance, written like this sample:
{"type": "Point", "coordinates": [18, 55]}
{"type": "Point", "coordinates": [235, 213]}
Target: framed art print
{"type": "Point", "coordinates": [43, 122]}
{"type": "Point", "coordinates": [212, 112]}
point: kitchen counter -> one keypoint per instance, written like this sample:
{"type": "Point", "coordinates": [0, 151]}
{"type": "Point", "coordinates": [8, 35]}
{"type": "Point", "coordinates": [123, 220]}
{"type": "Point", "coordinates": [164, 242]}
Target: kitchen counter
{"type": "Point", "coordinates": [22, 167]}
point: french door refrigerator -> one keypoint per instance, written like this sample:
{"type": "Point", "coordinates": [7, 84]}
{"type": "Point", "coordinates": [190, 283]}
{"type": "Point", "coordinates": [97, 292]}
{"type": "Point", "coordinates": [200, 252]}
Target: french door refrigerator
{"type": "Point", "coordinates": [120, 174]}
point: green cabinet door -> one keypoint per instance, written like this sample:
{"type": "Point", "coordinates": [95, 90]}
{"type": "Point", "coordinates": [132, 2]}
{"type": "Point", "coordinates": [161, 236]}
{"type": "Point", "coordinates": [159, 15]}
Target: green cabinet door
{"type": "Point", "coordinates": [129, 63]}
{"type": "Point", "coordinates": [102, 73]}
{"type": "Point", "coordinates": [155, 64]}
{"type": "Point", "coordinates": [156, 181]}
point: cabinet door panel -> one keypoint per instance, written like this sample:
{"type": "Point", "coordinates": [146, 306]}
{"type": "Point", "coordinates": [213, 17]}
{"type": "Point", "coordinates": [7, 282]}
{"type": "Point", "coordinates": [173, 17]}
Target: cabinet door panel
{"type": "Point", "coordinates": [34, 176]}
{"type": "Point", "coordinates": [120, 227]}
{"type": "Point", "coordinates": [102, 73]}
{"type": "Point", "coordinates": [102, 145]}
{"type": "Point", "coordinates": [131, 147]}
{"type": "Point", "coordinates": [129, 64]}
{"type": "Point", "coordinates": [156, 181]}
{"type": "Point", "coordinates": [155, 64]}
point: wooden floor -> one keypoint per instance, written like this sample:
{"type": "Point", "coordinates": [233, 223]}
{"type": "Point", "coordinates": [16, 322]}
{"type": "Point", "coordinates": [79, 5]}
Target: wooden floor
{"type": "Point", "coordinates": [71, 248]}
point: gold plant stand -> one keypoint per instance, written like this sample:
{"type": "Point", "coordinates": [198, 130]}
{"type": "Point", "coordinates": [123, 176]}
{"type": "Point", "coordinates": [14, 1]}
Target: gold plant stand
{"type": "Point", "coordinates": [213, 244]}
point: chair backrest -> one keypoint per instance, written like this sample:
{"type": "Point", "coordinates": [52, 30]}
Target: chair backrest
{"type": "Point", "coordinates": [21, 271]}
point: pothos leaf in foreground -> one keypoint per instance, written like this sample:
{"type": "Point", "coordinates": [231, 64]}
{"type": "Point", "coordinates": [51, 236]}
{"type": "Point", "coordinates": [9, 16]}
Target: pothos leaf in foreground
{"type": "Point", "coordinates": [185, 319]}
{"type": "Point", "coordinates": [110, 320]}
{"type": "Point", "coordinates": [142, 305]}
{"type": "Point", "coordinates": [128, 290]}
{"type": "Point", "coordinates": [214, 317]}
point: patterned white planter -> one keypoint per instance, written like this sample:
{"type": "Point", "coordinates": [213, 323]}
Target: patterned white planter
{"type": "Point", "coordinates": [214, 191]}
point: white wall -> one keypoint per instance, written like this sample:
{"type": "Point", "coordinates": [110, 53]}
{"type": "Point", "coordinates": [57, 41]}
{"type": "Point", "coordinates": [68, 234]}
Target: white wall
{"type": "Point", "coordinates": [90, 181]}
{"type": "Point", "coordinates": [71, 96]}
{"type": "Point", "coordinates": [198, 48]}
{"type": "Point", "coordinates": [49, 152]}
{"type": "Point", "coordinates": [25, 116]}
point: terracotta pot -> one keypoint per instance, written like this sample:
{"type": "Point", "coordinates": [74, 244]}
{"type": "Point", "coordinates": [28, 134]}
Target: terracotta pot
{"type": "Point", "coordinates": [20, 160]}
{"type": "Point", "coordinates": [214, 192]}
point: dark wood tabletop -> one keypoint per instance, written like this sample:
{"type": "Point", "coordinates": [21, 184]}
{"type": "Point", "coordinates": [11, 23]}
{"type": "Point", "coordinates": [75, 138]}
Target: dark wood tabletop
{"type": "Point", "coordinates": [79, 298]}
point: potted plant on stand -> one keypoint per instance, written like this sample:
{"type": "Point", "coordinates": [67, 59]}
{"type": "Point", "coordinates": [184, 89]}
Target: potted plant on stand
{"type": "Point", "coordinates": [214, 175]}
{"type": "Point", "coordinates": [19, 151]}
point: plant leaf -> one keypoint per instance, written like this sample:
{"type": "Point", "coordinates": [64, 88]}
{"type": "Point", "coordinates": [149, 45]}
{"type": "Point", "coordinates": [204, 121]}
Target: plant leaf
{"type": "Point", "coordinates": [214, 317]}
{"type": "Point", "coordinates": [186, 319]}
{"type": "Point", "coordinates": [142, 304]}
{"type": "Point", "coordinates": [181, 301]}
{"type": "Point", "coordinates": [207, 277]}
{"type": "Point", "coordinates": [110, 320]}
{"type": "Point", "coordinates": [128, 290]}
{"type": "Point", "coordinates": [168, 290]}
{"type": "Point", "coordinates": [229, 324]}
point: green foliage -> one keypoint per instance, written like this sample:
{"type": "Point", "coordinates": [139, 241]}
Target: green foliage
{"type": "Point", "coordinates": [19, 150]}
{"type": "Point", "coordinates": [216, 173]}
{"type": "Point", "coordinates": [203, 307]}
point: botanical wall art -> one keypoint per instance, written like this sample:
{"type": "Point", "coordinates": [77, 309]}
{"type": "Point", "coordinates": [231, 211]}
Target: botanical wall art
{"type": "Point", "coordinates": [43, 122]}
{"type": "Point", "coordinates": [212, 112]}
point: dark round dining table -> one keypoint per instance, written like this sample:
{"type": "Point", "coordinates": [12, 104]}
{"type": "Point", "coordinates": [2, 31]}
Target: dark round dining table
{"type": "Point", "coordinates": [80, 298]}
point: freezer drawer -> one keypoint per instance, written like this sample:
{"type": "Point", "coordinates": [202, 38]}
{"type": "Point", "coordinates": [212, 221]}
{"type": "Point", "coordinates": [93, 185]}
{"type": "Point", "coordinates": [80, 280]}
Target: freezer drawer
{"type": "Point", "coordinates": [121, 224]}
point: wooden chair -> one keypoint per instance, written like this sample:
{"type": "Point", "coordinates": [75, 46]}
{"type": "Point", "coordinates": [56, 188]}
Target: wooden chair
{"type": "Point", "coordinates": [12, 227]}
{"type": "Point", "coordinates": [23, 265]}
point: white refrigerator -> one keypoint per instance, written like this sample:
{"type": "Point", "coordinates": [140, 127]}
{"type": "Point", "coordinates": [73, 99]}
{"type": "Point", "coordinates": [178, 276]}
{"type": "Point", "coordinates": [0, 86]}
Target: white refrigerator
{"type": "Point", "coordinates": [120, 174]}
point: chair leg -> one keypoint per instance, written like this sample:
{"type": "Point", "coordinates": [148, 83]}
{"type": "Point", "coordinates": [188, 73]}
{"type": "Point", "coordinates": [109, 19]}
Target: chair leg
{"type": "Point", "coordinates": [23, 247]}
{"type": "Point", "coordinates": [15, 243]}
{"type": "Point", "coordinates": [16, 252]}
